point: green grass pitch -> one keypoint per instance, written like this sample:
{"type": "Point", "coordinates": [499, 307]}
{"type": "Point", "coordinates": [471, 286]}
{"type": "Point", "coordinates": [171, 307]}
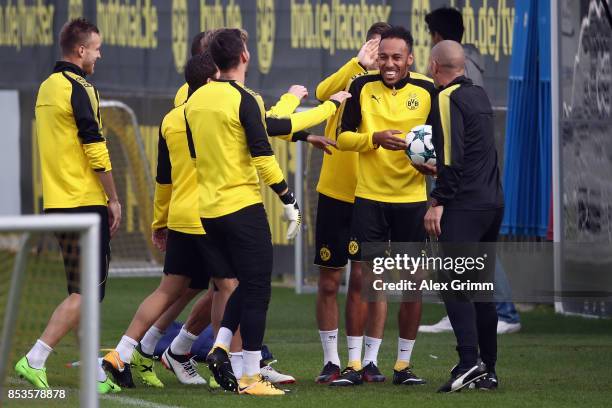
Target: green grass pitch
{"type": "Point", "coordinates": [555, 361]}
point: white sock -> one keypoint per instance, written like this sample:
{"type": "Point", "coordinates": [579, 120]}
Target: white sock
{"type": "Point", "coordinates": [251, 361]}
{"type": "Point", "coordinates": [224, 338]}
{"type": "Point", "coordinates": [404, 349]}
{"type": "Point", "coordinates": [182, 343]}
{"type": "Point", "coordinates": [236, 360]}
{"type": "Point", "coordinates": [370, 354]}
{"type": "Point", "coordinates": [101, 374]}
{"type": "Point", "coordinates": [38, 354]}
{"type": "Point", "coordinates": [354, 350]}
{"type": "Point", "coordinates": [329, 341]}
{"type": "Point", "coordinates": [125, 348]}
{"type": "Point", "coordinates": [150, 339]}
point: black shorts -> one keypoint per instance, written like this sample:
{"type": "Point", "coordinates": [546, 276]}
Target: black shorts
{"type": "Point", "coordinates": [332, 232]}
{"type": "Point", "coordinates": [243, 241]}
{"type": "Point", "coordinates": [193, 256]}
{"type": "Point", "coordinates": [71, 250]}
{"type": "Point", "coordinates": [375, 221]}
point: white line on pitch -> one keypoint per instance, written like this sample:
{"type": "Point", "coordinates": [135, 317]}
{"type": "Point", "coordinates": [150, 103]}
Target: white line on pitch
{"type": "Point", "coordinates": [135, 401]}
{"type": "Point", "coordinates": [16, 381]}
{"type": "Point", "coordinates": [122, 400]}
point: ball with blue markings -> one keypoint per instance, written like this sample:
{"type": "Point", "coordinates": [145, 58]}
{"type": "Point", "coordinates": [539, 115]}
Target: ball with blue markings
{"type": "Point", "coordinates": [420, 145]}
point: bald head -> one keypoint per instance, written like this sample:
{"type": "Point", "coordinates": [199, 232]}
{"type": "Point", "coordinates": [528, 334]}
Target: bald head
{"type": "Point", "coordinates": [447, 62]}
{"type": "Point", "coordinates": [449, 54]}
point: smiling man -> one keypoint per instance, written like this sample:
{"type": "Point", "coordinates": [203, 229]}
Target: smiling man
{"type": "Point", "coordinates": [336, 188]}
{"type": "Point", "coordinates": [390, 196]}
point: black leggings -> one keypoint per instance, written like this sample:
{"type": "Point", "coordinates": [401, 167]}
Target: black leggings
{"type": "Point", "coordinates": [244, 239]}
{"type": "Point", "coordinates": [474, 323]}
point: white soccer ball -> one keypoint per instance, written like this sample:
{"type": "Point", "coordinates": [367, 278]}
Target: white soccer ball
{"type": "Point", "coordinates": [420, 145]}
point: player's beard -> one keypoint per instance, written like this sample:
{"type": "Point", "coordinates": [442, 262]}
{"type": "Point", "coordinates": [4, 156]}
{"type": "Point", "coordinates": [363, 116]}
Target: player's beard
{"type": "Point", "coordinates": [89, 67]}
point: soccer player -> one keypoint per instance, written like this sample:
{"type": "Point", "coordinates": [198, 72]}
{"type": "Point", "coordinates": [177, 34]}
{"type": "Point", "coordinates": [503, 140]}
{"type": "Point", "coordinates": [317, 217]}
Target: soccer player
{"type": "Point", "coordinates": [77, 178]}
{"type": "Point", "coordinates": [467, 203]}
{"type": "Point", "coordinates": [336, 189]}
{"type": "Point", "coordinates": [225, 121]}
{"type": "Point", "coordinates": [390, 197]}
{"type": "Point", "coordinates": [178, 231]}
{"type": "Point", "coordinates": [446, 23]}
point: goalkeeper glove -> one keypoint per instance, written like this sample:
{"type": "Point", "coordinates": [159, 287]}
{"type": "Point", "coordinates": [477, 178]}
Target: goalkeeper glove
{"type": "Point", "coordinates": [291, 213]}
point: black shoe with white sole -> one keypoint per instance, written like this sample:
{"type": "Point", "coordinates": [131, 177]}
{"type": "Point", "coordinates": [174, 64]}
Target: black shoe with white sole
{"type": "Point", "coordinates": [328, 374]}
{"type": "Point", "coordinates": [348, 377]}
{"type": "Point", "coordinates": [371, 373]}
{"type": "Point", "coordinates": [462, 379]}
{"type": "Point", "coordinates": [406, 377]}
{"type": "Point", "coordinates": [487, 383]}
{"type": "Point", "coordinates": [219, 364]}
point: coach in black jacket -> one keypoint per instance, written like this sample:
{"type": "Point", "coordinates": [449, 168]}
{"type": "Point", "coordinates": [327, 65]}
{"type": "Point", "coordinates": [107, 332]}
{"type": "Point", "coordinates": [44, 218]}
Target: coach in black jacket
{"type": "Point", "coordinates": [467, 202]}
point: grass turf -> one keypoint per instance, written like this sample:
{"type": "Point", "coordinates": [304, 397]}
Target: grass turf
{"type": "Point", "coordinates": [555, 361]}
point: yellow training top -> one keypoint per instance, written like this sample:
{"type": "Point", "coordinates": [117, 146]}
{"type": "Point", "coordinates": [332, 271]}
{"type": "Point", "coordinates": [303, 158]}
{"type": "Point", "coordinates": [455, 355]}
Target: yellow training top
{"type": "Point", "coordinates": [283, 109]}
{"type": "Point", "coordinates": [176, 190]}
{"type": "Point", "coordinates": [385, 175]}
{"type": "Point", "coordinates": [70, 142]}
{"type": "Point", "coordinates": [338, 177]}
{"type": "Point", "coordinates": [285, 106]}
{"type": "Point", "coordinates": [181, 95]}
{"type": "Point", "coordinates": [226, 126]}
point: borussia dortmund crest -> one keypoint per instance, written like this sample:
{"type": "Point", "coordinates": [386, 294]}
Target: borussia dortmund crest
{"type": "Point", "coordinates": [325, 254]}
{"type": "Point", "coordinates": [413, 101]}
{"type": "Point", "coordinates": [353, 247]}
